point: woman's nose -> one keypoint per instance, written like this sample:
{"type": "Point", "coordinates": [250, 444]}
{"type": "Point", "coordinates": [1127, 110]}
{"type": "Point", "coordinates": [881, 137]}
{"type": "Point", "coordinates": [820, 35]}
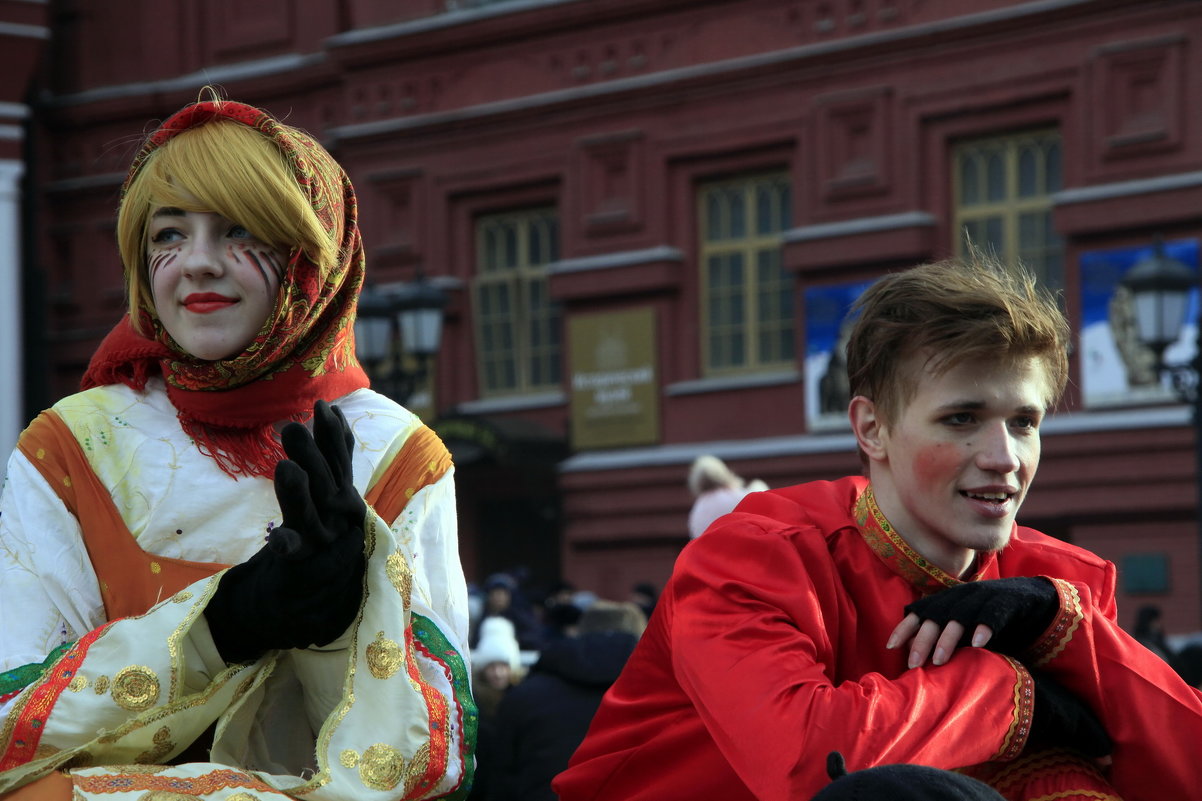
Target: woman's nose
{"type": "Point", "coordinates": [202, 257]}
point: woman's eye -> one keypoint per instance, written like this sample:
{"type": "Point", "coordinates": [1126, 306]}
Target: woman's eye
{"type": "Point", "coordinates": [166, 235]}
{"type": "Point", "coordinates": [238, 232]}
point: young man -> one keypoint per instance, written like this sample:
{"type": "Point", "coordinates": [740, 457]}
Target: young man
{"type": "Point", "coordinates": [902, 617]}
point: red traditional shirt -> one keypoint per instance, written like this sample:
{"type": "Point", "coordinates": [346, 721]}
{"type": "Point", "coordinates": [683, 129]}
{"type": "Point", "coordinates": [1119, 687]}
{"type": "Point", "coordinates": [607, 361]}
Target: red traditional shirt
{"type": "Point", "coordinates": [767, 651]}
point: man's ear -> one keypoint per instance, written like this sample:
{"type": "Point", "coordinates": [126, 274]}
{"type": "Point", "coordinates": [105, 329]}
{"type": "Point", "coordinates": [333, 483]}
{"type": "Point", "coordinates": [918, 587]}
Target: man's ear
{"type": "Point", "coordinates": [867, 426]}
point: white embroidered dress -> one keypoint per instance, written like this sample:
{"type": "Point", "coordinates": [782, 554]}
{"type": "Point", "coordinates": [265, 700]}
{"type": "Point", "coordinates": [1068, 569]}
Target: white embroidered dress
{"type": "Point", "coordinates": [383, 713]}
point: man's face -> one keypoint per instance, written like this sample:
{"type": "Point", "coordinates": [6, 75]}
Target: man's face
{"type": "Point", "coordinates": [953, 468]}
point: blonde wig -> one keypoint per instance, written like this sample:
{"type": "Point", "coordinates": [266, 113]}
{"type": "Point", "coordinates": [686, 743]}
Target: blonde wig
{"type": "Point", "coordinates": [223, 167]}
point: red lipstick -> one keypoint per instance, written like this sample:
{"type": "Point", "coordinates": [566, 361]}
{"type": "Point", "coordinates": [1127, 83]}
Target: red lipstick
{"type": "Point", "coordinates": [207, 302]}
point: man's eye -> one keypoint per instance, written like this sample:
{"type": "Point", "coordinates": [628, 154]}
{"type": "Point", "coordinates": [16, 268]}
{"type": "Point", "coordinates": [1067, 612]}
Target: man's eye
{"type": "Point", "coordinates": [959, 418]}
{"type": "Point", "coordinates": [1025, 422]}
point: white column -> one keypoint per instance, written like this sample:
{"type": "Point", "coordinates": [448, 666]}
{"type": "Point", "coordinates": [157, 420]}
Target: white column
{"type": "Point", "coordinates": [11, 393]}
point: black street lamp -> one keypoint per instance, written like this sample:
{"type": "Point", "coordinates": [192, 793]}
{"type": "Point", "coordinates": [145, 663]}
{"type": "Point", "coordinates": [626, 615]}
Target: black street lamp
{"type": "Point", "coordinates": [1160, 288]}
{"type": "Point", "coordinates": [396, 324]}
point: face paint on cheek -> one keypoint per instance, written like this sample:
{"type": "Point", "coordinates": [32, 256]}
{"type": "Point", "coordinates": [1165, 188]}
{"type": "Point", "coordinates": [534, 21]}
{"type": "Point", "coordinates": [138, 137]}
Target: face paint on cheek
{"type": "Point", "coordinates": [258, 260]}
{"type": "Point", "coordinates": [276, 264]}
{"type": "Point", "coordinates": [161, 260]}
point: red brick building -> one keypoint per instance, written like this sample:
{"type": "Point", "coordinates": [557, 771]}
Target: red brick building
{"type": "Point", "coordinates": [649, 215]}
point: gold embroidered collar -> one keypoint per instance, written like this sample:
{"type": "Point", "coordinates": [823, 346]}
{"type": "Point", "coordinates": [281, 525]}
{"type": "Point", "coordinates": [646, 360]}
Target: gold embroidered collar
{"type": "Point", "coordinates": [896, 553]}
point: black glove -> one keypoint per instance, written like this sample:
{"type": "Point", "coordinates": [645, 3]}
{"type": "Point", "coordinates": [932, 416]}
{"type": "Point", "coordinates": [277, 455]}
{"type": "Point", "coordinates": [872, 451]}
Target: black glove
{"type": "Point", "coordinates": [304, 586]}
{"type": "Point", "coordinates": [1018, 610]}
{"type": "Point", "coordinates": [1062, 720]}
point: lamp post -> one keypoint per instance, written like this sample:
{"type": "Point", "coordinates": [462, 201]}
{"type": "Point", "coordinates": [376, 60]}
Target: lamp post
{"type": "Point", "coordinates": [395, 324]}
{"type": "Point", "coordinates": [1160, 289]}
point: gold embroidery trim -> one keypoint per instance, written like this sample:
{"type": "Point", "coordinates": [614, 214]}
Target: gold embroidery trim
{"type": "Point", "coordinates": [135, 688]}
{"type": "Point", "coordinates": [381, 767]}
{"type": "Point", "coordinates": [401, 576]}
{"type": "Point", "coordinates": [1024, 706]}
{"type": "Point", "coordinates": [384, 656]}
{"type": "Point", "coordinates": [162, 747]}
{"type": "Point", "coordinates": [894, 551]}
{"type": "Point", "coordinates": [1018, 774]}
{"type": "Point", "coordinates": [1064, 626]}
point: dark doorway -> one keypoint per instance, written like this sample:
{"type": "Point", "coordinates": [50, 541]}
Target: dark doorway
{"type": "Point", "coordinates": [508, 497]}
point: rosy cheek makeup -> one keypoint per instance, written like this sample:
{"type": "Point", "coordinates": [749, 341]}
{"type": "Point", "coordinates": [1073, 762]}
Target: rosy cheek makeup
{"type": "Point", "coordinates": [935, 462]}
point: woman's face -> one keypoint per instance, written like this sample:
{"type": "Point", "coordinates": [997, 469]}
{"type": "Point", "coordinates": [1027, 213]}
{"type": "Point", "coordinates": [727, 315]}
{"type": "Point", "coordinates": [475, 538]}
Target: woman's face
{"type": "Point", "coordinates": [497, 675]}
{"type": "Point", "coordinates": [213, 283]}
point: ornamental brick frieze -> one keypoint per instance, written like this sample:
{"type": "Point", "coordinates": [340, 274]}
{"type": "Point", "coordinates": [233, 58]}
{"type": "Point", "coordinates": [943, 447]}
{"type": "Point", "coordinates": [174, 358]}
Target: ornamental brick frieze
{"type": "Point", "coordinates": [471, 72]}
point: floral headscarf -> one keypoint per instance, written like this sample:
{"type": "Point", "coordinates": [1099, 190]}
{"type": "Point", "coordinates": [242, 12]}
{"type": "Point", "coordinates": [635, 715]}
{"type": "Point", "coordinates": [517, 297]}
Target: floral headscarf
{"type": "Point", "coordinates": [304, 353]}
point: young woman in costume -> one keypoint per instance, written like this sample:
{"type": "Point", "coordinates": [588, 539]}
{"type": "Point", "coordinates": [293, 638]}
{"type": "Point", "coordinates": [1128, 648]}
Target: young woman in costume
{"type": "Point", "coordinates": [225, 421]}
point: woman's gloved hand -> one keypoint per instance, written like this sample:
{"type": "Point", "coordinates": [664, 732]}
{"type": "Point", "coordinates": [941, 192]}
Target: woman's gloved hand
{"type": "Point", "coordinates": [305, 585]}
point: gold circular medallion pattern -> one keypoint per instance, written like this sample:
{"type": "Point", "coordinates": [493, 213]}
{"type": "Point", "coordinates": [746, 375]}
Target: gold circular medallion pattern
{"type": "Point", "coordinates": [384, 656]}
{"type": "Point", "coordinates": [381, 767]}
{"type": "Point", "coordinates": [135, 688]}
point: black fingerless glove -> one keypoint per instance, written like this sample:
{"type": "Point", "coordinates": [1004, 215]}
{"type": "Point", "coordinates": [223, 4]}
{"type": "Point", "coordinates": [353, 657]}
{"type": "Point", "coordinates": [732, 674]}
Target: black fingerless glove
{"type": "Point", "coordinates": [305, 585]}
{"type": "Point", "coordinates": [1062, 720]}
{"type": "Point", "coordinates": [1018, 610]}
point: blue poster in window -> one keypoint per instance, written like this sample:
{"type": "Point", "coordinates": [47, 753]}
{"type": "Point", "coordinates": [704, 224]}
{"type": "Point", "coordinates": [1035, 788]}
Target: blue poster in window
{"type": "Point", "coordinates": [1116, 368]}
{"type": "Point", "coordinates": [827, 326]}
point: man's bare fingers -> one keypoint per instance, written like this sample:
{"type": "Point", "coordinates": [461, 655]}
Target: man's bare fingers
{"type": "Point", "coordinates": [924, 643]}
{"type": "Point", "coordinates": [948, 640]}
{"type": "Point", "coordinates": [981, 636]}
{"type": "Point", "coordinates": [903, 631]}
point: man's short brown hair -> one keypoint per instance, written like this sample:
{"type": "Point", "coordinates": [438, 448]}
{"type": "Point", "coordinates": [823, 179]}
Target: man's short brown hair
{"type": "Point", "coordinates": [955, 311]}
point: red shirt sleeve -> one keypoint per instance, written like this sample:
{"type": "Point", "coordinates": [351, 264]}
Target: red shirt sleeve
{"type": "Point", "coordinates": [1154, 718]}
{"type": "Point", "coordinates": [783, 668]}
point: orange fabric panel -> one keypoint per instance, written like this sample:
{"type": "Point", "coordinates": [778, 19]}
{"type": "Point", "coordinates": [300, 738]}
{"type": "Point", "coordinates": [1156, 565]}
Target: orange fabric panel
{"type": "Point", "coordinates": [131, 580]}
{"type": "Point", "coordinates": [422, 461]}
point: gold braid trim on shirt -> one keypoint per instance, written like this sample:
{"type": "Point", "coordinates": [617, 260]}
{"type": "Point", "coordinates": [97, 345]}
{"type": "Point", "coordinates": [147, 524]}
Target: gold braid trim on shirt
{"type": "Point", "coordinates": [1024, 708]}
{"type": "Point", "coordinates": [1063, 627]}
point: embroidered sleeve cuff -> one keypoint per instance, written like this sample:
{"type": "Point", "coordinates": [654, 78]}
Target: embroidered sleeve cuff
{"type": "Point", "coordinates": [1024, 708]}
{"type": "Point", "coordinates": [1064, 625]}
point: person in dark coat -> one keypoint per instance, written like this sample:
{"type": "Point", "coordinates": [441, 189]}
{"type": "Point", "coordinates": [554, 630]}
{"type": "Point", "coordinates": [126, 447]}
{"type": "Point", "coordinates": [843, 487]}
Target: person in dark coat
{"type": "Point", "coordinates": [504, 598]}
{"type": "Point", "coordinates": [1149, 631]}
{"type": "Point", "coordinates": [541, 721]}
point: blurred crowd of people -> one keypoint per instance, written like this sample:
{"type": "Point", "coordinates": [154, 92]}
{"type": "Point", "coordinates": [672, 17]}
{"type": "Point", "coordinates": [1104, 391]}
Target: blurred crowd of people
{"type": "Point", "coordinates": [542, 659]}
{"type": "Point", "coordinates": [540, 666]}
